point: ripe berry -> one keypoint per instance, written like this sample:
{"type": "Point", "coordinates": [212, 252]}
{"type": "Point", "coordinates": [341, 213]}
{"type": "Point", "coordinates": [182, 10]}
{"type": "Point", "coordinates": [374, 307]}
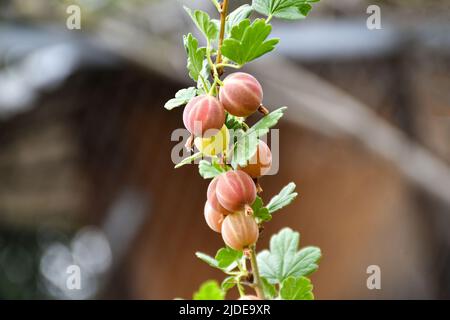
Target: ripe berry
{"type": "Point", "coordinates": [213, 218]}
{"type": "Point", "coordinates": [241, 94]}
{"type": "Point", "coordinates": [202, 114]}
{"type": "Point", "coordinates": [235, 191]}
{"type": "Point", "coordinates": [259, 164]}
{"type": "Point", "coordinates": [239, 230]}
{"type": "Point", "coordinates": [214, 145]}
{"type": "Point", "coordinates": [212, 197]}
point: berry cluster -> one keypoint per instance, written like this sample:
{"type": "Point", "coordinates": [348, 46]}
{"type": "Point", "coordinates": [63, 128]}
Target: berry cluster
{"type": "Point", "coordinates": [215, 116]}
{"type": "Point", "coordinates": [231, 194]}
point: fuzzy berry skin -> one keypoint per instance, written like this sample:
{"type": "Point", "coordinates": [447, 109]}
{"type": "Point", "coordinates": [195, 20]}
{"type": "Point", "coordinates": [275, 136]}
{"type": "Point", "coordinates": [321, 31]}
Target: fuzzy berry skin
{"type": "Point", "coordinates": [259, 164]}
{"type": "Point", "coordinates": [241, 94]}
{"type": "Point", "coordinates": [202, 114]}
{"type": "Point", "coordinates": [212, 197]}
{"type": "Point", "coordinates": [239, 230]}
{"type": "Point", "coordinates": [214, 218]}
{"type": "Point", "coordinates": [235, 190]}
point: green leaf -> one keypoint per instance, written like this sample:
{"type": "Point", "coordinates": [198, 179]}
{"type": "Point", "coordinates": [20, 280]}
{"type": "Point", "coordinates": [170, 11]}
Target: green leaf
{"type": "Point", "coordinates": [283, 9]}
{"type": "Point", "coordinates": [233, 122]}
{"type": "Point", "coordinates": [246, 145]}
{"type": "Point", "coordinates": [260, 212]}
{"type": "Point", "coordinates": [196, 56]}
{"type": "Point", "coordinates": [248, 41]}
{"type": "Point", "coordinates": [284, 198]}
{"type": "Point", "coordinates": [209, 290]}
{"type": "Point", "coordinates": [189, 159]}
{"type": "Point", "coordinates": [203, 83]}
{"type": "Point", "coordinates": [262, 126]}
{"type": "Point", "coordinates": [235, 17]}
{"type": "Point", "coordinates": [208, 259]}
{"type": "Point", "coordinates": [228, 283]}
{"type": "Point", "coordinates": [296, 289]}
{"type": "Point", "coordinates": [204, 23]}
{"type": "Point", "coordinates": [212, 262]}
{"type": "Point", "coordinates": [283, 260]}
{"type": "Point", "coordinates": [225, 257]}
{"type": "Point", "coordinates": [210, 170]}
{"type": "Point", "coordinates": [269, 289]}
{"type": "Point", "coordinates": [182, 97]}
{"type": "Point", "coordinates": [244, 149]}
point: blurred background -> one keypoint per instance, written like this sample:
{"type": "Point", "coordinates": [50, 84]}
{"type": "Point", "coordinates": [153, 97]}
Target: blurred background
{"type": "Point", "coordinates": [86, 176]}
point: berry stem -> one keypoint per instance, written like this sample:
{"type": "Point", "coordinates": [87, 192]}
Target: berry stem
{"type": "Point", "coordinates": [256, 277]}
{"type": "Point", "coordinates": [223, 16]}
{"type": "Point", "coordinates": [263, 110]}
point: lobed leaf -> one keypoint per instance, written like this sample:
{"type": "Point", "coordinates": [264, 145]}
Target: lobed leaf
{"type": "Point", "coordinates": [182, 97]}
{"type": "Point", "coordinates": [195, 56]}
{"type": "Point", "coordinates": [248, 41]}
{"type": "Point", "coordinates": [209, 290]}
{"type": "Point", "coordinates": [283, 9]}
{"type": "Point", "coordinates": [260, 212]}
{"type": "Point", "coordinates": [283, 260]}
{"type": "Point", "coordinates": [284, 198]}
{"type": "Point", "coordinates": [225, 257]}
{"type": "Point", "coordinates": [296, 289]}
{"type": "Point", "coordinates": [204, 23]}
{"type": "Point", "coordinates": [210, 170]}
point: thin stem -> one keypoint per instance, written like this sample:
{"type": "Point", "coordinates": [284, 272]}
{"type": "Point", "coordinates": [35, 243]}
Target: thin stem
{"type": "Point", "coordinates": [256, 277]}
{"type": "Point", "coordinates": [223, 16]}
{"type": "Point", "coordinates": [269, 18]}
{"type": "Point", "coordinates": [228, 65]}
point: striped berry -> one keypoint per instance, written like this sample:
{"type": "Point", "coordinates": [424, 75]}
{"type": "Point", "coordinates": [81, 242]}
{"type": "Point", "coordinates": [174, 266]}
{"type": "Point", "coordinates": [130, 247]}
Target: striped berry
{"type": "Point", "coordinates": [259, 164]}
{"type": "Point", "coordinates": [202, 114]}
{"type": "Point", "coordinates": [239, 230]}
{"type": "Point", "coordinates": [212, 197]}
{"type": "Point", "coordinates": [241, 94]}
{"type": "Point", "coordinates": [213, 217]}
{"type": "Point", "coordinates": [235, 191]}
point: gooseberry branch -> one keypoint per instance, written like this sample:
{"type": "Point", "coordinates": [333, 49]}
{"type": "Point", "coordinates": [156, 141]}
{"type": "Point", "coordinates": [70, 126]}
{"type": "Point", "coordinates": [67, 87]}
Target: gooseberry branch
{"type": "Point", "coordinates": [237, 161]}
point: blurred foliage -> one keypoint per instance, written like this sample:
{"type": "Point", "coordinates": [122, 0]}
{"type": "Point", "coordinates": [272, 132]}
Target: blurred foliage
{"type": "Point", "coordinates": [20, 254]}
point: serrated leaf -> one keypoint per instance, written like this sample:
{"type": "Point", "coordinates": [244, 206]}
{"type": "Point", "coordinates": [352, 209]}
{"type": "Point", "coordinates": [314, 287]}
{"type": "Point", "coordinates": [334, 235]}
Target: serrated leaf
{"type": "Point", "coordinates": [210, 170]}
{"type": "Point", "coordinates": [247, 143]}
{"type": "Point", "coordinates": [182, 97]}
{"type": "Point", "coordinates": [189, 159]}
{"type": "Point", "coordinates": [208, 259]}
{"type": "Point", "coordinates": [203, 22]}
{"type": "Point", "coordinates": [283, 260]}
{"type": "Point", "coordinates": [209, 290]}
{"type": "Point", "coordinates": [283, 9]}
{"type": "Point", "coordinates": [203, 83]}
{"type": "Point", "coordinates": [296, 289]}
{"type": "Point", "coordinates": [248, 41]}
{"type": "Point", "coordinates": [235, 17]}
{"type": "Point", "coordinates": [269, 289]}
{"type": "Point", "coordinates": [225, 257]}
{"type": "Point", "coordinates": [262, 126]}
{"type": "Point", "coordinates": [195, 55]}
{"type": "Point", "coordinates": [284, 198]}
{"type": "Point", "coordinates": [244, 149]}
{"type": "Point", "coordinates": [260, 212]}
